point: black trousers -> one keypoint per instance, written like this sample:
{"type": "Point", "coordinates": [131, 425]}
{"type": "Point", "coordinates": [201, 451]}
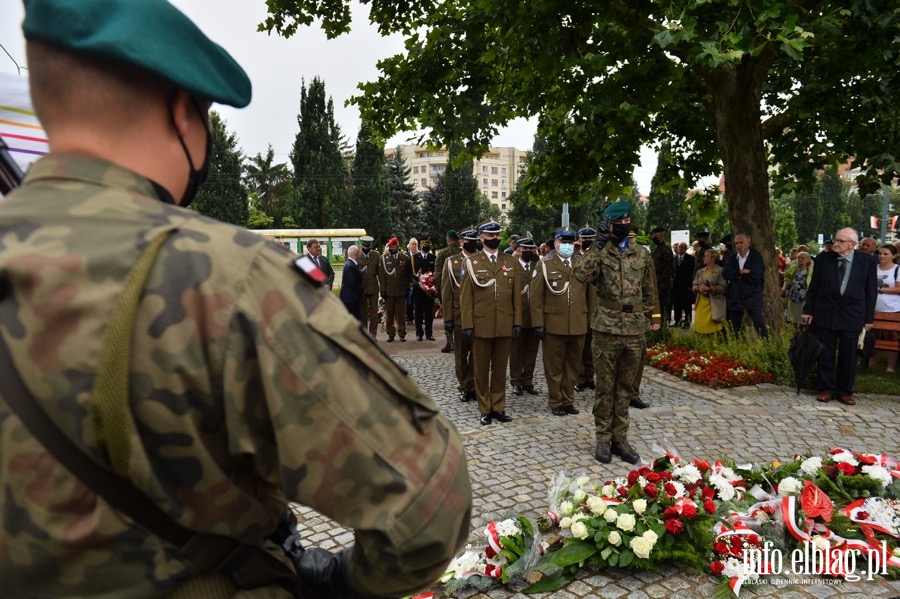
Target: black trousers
{"type": "Point", "coordinates": [682, 303]}
{"type": "Point", "coordinates": [837, 377]}
{"type": "Point", "coordinates": [424, 312]}
{"type": "Point", "coordinates": [736, 318]}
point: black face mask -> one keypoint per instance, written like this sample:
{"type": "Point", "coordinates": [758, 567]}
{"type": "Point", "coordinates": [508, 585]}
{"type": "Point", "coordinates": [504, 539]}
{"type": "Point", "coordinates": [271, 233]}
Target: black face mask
{"type": "Point", "coordinates": [366, 249]}
{"type": "Point", "coordinates": [657, 241]}
{"type": "Point", "coordinates": [620, 231]}
{"type": "Point", "coordinates": [492, 243]}
{"type": "Point", "coordinates": [426, 248]}
{"type": "Point", "coordinates": [586, 244]}
{"type": "Point", "coordinates": [196, 177]}
{"type": "Point", "coordinates": [527, 256]}
{"type": "Point", "coordinates": [470, 246]}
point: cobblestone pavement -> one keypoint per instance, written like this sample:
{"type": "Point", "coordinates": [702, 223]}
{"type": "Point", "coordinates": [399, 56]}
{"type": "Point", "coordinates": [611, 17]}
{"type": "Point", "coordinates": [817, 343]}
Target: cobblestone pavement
{"type": "Point", "coordinates": [511, 464]}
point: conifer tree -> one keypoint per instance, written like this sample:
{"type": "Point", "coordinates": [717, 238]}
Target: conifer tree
{"type": "Point", "coordinates": [222, 196]}
{"type": "Point", "coordinates": [370, 207]}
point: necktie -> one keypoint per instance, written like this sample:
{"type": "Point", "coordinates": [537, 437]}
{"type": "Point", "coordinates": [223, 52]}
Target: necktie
{"type": "Point", "coordinates": [493, 259]}
{"type": "Point", "coordinates": [842, 270]}
{"type": "Point", "coordinates": [566, 262]}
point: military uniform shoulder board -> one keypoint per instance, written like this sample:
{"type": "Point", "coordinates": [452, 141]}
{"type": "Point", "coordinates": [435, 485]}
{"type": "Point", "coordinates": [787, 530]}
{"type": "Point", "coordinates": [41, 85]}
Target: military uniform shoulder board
{"type": "Point", "coordinates": [312, 273]}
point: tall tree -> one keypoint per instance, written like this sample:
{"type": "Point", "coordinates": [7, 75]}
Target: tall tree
{"type": "Point", "coordinates": [432, 202]}
{"type": "Point", "coordinates": [406, 212]}
{"type": "Point", "coordinates": [222, 196]}
{"type": "Point", "coordinates": [667, 207]}
{"type": "Point", "coordinates": [724, 80]}
{"type": "Point", "coordinates": [320, 176]}
{"type": "Point", "coordinates": [463, 203]}
{"type": "Point", "coordinates": [370, 206]}
{"type": "Point", "coordinates": [831, 202]}
{"type": "Point", "coordinates": [271, 184]}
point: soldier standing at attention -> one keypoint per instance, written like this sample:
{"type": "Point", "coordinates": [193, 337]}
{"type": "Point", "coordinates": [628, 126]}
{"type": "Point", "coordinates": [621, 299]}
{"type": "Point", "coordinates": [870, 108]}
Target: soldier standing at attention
{"type": "Point", "coordinates": [560, 316]}
{"type": "Point", "coordinates": [246, 383]}
{"type": "Point", "coordinates": [625, 309]}
{"type": "Point", "coordinates": [368, 261]}
{"type": "Point", "coordinates": [452, 249]}
{"type": "Point", "coordinates": [491, 306]}
{"type": "Point", "coordinates": [451, 282]}
{"type": "Point", "coordinates": [525, 348]}
{"type": "Point", "coordinates": [587, 236]}
{"type": "Point", "coordinates": [393, 279]}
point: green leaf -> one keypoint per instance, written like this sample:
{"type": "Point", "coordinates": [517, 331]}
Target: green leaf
{"type": "Point", "coordinates": [626, 557]}
{"type": "Point", "coordinates": [548, 584]}
{"type": "Point", "coordinates": [573, 552]}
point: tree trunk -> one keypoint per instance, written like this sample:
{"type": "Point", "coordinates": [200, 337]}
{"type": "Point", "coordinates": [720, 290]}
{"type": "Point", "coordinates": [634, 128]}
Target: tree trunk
{"type": "Point", "coordinates": [736, 95]}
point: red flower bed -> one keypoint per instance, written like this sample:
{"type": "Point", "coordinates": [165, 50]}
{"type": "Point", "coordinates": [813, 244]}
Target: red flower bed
{"type": "Point", "coordinates": [713, 371]}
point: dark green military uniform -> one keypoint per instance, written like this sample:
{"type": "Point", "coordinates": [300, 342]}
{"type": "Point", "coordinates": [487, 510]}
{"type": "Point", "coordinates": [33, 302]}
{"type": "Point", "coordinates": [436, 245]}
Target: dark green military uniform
{"type": "Point", "coordinates": [393, 278]}
{"type": "Point", "coordinates": [626, 304]}
{"type": "Point", "coordinates": [451, 284]}
{"type": "Point", "coordinates": [368, 262]}
{"type": "Point", "coordinates": [559, 305]}
{"type": "Point", "coordinates": [525, 348]}
{"type": "Point", "coordinates": [664, 267]}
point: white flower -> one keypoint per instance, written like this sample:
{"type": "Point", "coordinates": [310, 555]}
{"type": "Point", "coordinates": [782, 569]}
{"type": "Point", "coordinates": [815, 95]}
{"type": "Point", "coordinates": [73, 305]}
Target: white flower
{"type": "Point", "coordinates": [610, 515]}
{"type": "Point", "coordinates": [642, 545]}
{"type": "Point", "coordinates": [687, 474]}
{"type": "Point", "coordinates": [508, 528]}
{"type": "Point", "coordinates": [596, 505]}
{"type": "Point", "coordinates": [565, 522]}
{"type": "Point", "coordinates": [579, 496]}
{"type": "Point", "coordinates": [727, 473]}
{"type": "Point", "coordinates": [642, 482]}
{"type": "Point", "coordinates": [566, 508]}
{"type": "Point", "coordinates": [583, 480]}
{"type": "Point", "coordinates": [639, 505]}
{"type": "Point", "coordinates": [579, 530]}
{"type": "Point", "coordinates": [652, 536]}
{"type": "Point", "coordinates": [820, 543]}
{"type": "Point", "coordinates": [734, 568]}
{"type": "Point", "coordinates": [789, 486]}
{"type": "Point", "coordinates": [811, 465]}
{"type": "Point", "coordinates": [608, 490]}
{"type": "Point", "coordinates": [878, 473]}
{"type": "Point", "coordinates": [468, 561]}
{"type": "Point", "coordinates": [723, 487]}
{"type": "Point", "coordinates": [614, 538]}
{"type": "Point", "coordinates": [679, 489]}
{"type": "Point", "coordinates": [845, 456]}
{"type": "Point", "coordinates": [625, 522]}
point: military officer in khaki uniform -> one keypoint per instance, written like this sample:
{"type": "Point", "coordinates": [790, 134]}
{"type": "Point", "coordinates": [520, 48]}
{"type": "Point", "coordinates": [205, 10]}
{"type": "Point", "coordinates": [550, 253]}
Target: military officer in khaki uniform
{"type": "Point", "coordinates": [393, 279]}
{"type": "Point", "coordinates": [247, 383]}
{"type": "Point", "coordinates": [559, 314]}
{"type": "Point", "coordinates": [586, 237]}
{"type": "Point", "coordinates": [525, 348]}
{"type": "Point", "coordinates": [369, 261]}
{"type": "Point", "coordinates": [452, 249]}
{"type": "Point", "coordinates": [626, 309]}
{"type": "Point", "coordinates": [491, 306]}
{"type": "Point", "coordinates": [454, 271]}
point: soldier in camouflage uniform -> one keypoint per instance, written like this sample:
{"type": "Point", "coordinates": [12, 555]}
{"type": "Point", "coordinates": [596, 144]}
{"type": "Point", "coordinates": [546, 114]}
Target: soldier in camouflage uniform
{"type": "Point", "coordinates": [250, 385]}
{"type": "Point", "coordinates": [626, 307]}
{"type": "Point", "coordinates": [368, 261]}
{"type": "Point", "coordinates": [451, 250]}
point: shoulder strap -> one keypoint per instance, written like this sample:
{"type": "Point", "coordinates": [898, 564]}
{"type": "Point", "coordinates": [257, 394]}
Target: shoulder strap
{"type": "Point", "coordinates": [247, 566]}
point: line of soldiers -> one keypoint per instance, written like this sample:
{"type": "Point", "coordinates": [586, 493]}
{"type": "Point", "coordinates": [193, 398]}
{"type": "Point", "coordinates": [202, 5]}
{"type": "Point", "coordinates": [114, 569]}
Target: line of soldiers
{"type": "Point", "coordinates": [499, 309]}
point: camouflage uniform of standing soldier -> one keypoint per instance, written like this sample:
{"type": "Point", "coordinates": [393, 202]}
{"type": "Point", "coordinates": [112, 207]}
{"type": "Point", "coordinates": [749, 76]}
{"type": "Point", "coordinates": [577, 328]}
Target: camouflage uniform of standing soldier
{"type": "Point", "coordinates": [491, 306]}
{"type": "Point", "coordinates": [586, 237]}
{"type": "Point", "coordinates": [525, 348]}
{"type": "Point", "coordinates": [368, 261]}
{"type": "Point", "coordinates": [451, 283]}
{"type": "Point", "coordinates": [560, 317]}
{"type": "Point", "coordinates": [625, 310]}
{"type": "Point", "coordinates": [393, 279]}
{"type": "Point", "coordinates": [250, 386]}
{"type": "Point", "coordinates": [451, 250]}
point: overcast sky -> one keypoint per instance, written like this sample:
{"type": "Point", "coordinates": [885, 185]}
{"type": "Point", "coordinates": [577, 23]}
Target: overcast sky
{"type": "Point", "coordinates": [277, 66]}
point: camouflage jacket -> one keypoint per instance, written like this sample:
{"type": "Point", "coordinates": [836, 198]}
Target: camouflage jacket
{"type": "Point", "coordinates": [251, 386]}
{"type": "Point", "coordinates": [625, 286]}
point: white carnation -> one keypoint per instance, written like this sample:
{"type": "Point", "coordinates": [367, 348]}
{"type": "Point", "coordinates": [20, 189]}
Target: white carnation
{"type": "Point", "coordinates": [679, 489]}
{"type": "Point", "coordinates": [468, 561]}
{"type": "Point", "coordinates": [811, 465]}
{"type": "Point", "coordinates": [789, 486]}
{"type": "Point", "coordinates": [878, 473]}
{"type": "Point", "coordinates": [688, 474]}
{"type": "Point", "coordinates": [845, 456]}
{"type": "Point", "coordinates": [508, 528]}
{"type": "Point", "coordinates": [723, 487]}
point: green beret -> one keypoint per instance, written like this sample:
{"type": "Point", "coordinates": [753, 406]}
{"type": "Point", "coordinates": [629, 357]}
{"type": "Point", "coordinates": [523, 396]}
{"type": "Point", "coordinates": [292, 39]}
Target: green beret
{"type": "Point", "coordinates": [452, 234]}
{"type": "Point", "coordinates": [617, 211]}
{"type": "Point", "coordinates": [150, 34]}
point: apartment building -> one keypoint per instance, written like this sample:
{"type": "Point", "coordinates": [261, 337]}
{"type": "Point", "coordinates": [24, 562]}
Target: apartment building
{"type": "Point", "coordinates": [497, 172]}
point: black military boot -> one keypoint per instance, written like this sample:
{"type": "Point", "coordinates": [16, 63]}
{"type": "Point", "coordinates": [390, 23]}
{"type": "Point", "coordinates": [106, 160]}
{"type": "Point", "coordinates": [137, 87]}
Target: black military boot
{"type": "Point", "coordinates": [602, 453]}
{"type": "Point", "coordinates": [625, 451]}
{"type": "Point", "coordinates": [530, 390]}
{"type": "Point", "coordinates": [501, 417]}
{"type": "Point", "coordinates": [638, 403]}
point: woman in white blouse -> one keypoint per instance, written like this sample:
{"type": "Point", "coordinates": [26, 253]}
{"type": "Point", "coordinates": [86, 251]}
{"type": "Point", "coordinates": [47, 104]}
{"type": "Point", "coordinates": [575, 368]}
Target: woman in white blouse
{"type": "Point", "coordinates": [888, 295]}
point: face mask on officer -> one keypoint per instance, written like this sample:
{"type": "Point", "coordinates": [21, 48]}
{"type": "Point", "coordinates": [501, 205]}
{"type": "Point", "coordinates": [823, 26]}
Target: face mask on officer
{"type": "Point", "coordinates": [470, 246]}
{"type": "Point", "coordinates": [196, 177]}
{"type": "Point", "coordinates": [426, 248]}
{"type": "Point", "coordinates": [527, 256]}
{"type": "Point", "coordinates": [566, 249]}
{"type": "Point", "coordinates": [586, 244]}
{"type": "Point", "coordinates": [366, 248]}
{"type": "Point", "coordinates": [492, 243]}
{"type": "Point", "coordinates": [620, 230]}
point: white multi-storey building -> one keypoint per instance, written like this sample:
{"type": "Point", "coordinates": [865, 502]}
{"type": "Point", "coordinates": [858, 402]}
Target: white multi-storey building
{"type": "Point", "coordinates": [497, 172]}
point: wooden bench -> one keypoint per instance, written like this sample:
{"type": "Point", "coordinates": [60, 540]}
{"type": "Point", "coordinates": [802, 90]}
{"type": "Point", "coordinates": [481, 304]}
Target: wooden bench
{"type": "Point", "coordinates": [887, 321]}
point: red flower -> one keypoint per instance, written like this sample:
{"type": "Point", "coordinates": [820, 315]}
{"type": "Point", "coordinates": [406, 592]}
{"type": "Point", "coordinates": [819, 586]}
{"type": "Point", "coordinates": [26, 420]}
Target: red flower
{"type": "Point", "coordinates": [665, 476]}
{"type": "Point", "coordinates": [737, 543]}
{"type": "Point", "coordinates": [670, 489]}
{"type": "Point", "coordinates": [846, 468]}
{"type": "Point", "coordinates": [865, 459]}
{"type": "Point", "coordinates": [654, 477]}
{"type": "Point", "coordinates": [836, 451]}
{"type": "Point", "coordinates": [632, 477]}
{"type": "Point", "coordinates": [670, 512]}
{"type": "Point", "coordinates": [674, 526]}
{"type": "Point", "coordinates": [721, 547]}
{"type": "Point", "coordinates": [709, 493]}
{"type": "Point", "coordinates": [689, 511]}
{"type": "Point", "coordinates": [622, 491]}
{"type": "Point", "coordinates": [650, 490]}
{"type": "Point", "coordinates": [753, 540]}
{"type": "Point", "coordinates": [709, 506]}
{"type": "Point", "coordinates": [717, 568]}
{"type": "Point", "coordinates": [489, 552]}
{"type": "Point", "coordinates": [703, 465]}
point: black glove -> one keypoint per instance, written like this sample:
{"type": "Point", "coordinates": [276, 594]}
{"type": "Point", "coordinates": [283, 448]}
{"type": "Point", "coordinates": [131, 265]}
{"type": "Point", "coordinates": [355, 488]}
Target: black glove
{"type": "Point", "coordinates": [603, 234]}
{"type": "Point", "coordinates": [383, 295]}
{"type": "Point", "coordinates": [469, 335]}
{"type": "Point", "coordinates": [539, 332]}
{"type": "Point", "coordinates": [448, 326]}
{"type": "Point", "coordinates": [325, 573]}
{"type": "Point", "coordinates": [516, 332]}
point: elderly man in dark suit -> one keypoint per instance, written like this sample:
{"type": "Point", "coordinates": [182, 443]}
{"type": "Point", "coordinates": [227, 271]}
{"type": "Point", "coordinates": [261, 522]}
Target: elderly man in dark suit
{"type": "Point", "coordinates": [351, 283]}
{"type": "Point", "coordinates": [744, 270]}
{"type": "Point", "coordinates": [840, 302]}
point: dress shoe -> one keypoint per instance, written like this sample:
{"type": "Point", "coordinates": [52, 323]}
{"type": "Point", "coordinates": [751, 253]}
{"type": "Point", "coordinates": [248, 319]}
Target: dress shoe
{"type": "Point", "coordinates": [402, 339]}
{"type": "Point", "coordinates": [500, 417]}
{"type": "Point", "coordinates": [847, 400]}
{"type": "Point", "coordinates": [447, 349]}
{"type": "Point", "coordinates": [558, 411]}
{"type": "Point", "coordinates": [602, 453]}
{"type": "Point", "coordinates": [579, 387]}
{"type": "Point", "coordinates": [530, 390]}
{"type": "Point", "coordinates": [471, 395]}
{"type": "Point", "coordinates": [390, 339]}
{"type": "Point", "coordinates": [429, 337]}
{"type": "Point", "coordinates": [517, 390]}
{"type": "Point", "coordinates": [464, 396]}
{"type": "Point", "coordinates": [570, 410]}
{"type": "Point", "coordinates": [625, 451]}
{"type": "Point", "coordinates": [824, 396]}
{"type": "Point", "coordinates": [638, 403]}
{"type": "Point", "coordinates": [485, 419]}
{"type": "Point", "coordinates": [418, 337]}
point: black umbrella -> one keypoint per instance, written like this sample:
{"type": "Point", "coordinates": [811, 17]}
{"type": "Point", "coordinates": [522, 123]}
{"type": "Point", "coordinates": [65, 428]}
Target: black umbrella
{"type": "Point", "coordinates": [866, 349]}
{"type": "Point", "coordinates": [803, 352]}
